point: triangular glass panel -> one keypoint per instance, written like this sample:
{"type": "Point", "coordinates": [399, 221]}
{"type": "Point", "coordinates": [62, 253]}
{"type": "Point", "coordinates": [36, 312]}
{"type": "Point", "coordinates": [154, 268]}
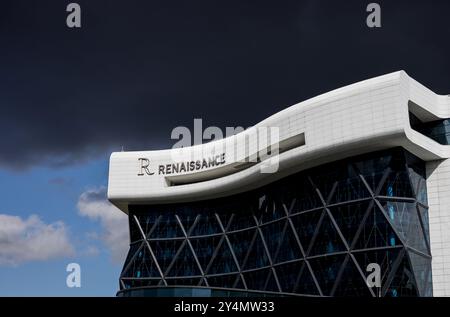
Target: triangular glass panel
{"type": "Point", "coordinates": [417, 175]}
{"type": "Point", "coordinates": [326, 270]}
{"type": "Point", "coordinates": [204, 249]}
{"type": "Point", "coordinates": [207, 224]}
{"type": "Point", "coordinates": [403, 284]}
{"type": "Point", "coordinates": [271, 285]}
{"type": "Point", "coordinates": [135, 233]}
{"type": "Point", "coordinates": [165, 251]}
{"type": "Point", "coordinates": [291, 205]}
{"type": "Point", "coordinates": [349, 186]}
{"type": "Point", "coordinates": [421, 267]}
{"type": "Point", "coordinates": [185, 264]}
{"type": "Point", "coordinates": [376, 231]}
{"type": "Point", "coordinates": [349, 217]}
{"type": "Point", "coordinates": [352, 283]}
{"type": "Point", "coordinates": [256, 280]}
{"type": "Point", "coordinates": [242, 219]}
{"type": "Point", "coordinates": [202, 282]}
{"type": "Point", "coordinates": [288, 274]}
{"type": "Point", "coordinates": [422, 195]}
{"type": "Point", "coordinates": [372, 169]}
{"type": "Point", "coordinates": [241, 242]}
{"type": "Point", "coordinates": [223, 262]}
{"type": "Point", "coordinates": [397, 183]}
{"type": "Point", "coordinates": [425, 222]}
{"type": "Point", "coordinates": [306, 225]}
{"type": "Point", "coordinates": [167, 227]}
{"type": "Point", "coordinates": [327, 239]}
{"type": "Point", "coordinates": [415, 179]}
{"type": "Point", "coordinates": [289, 248]}
{"type": "Point", "coordinates": [324, 180]}
{"type": "Point", "coordinates": [132, 252]}
{"type": "Point", "coordinates": [288, 195]}
{"type": "Point", "coordinates": [273, 233]}
{"type": "Point", "coordinates": [239, 284]}
{"type": "Point", "coordinates": [307, 197]}
{"type": "Point", "coordinates": [146, 221]}
{"type": "Point", "coordinates": [226, 216]}
{"type": "Point", "coordinates": [304, 283]}
{"type": "Point", "coordinates": [257, 256]}
{"type": "Point", "coordinates": [187, 219]}
{"type": "Point", "coordinates": [142, 265]}
{"type": "Point", "coordinates": [405, 217]}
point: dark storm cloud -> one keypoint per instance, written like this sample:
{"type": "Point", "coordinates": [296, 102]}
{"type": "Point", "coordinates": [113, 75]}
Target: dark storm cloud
{"type": "Point", "coordinates": [137, 69]}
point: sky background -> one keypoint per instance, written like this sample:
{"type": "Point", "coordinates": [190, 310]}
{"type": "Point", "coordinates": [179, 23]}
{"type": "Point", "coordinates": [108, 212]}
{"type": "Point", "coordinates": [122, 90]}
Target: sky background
{"type": "Point", "coordinates": [137, 69]}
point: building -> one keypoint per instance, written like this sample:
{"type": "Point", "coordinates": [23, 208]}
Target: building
{"type": "Point", "coordinates": [362, 176]}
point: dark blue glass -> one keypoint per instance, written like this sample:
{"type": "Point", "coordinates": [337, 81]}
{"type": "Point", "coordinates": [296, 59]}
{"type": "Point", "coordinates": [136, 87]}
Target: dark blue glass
{"type": "Point", "coordinates": [310, 233]}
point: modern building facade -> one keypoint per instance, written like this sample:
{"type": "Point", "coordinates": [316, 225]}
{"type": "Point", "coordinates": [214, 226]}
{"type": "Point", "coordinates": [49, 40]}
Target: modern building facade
{"type": "Point", "coordinates": [302, 204]}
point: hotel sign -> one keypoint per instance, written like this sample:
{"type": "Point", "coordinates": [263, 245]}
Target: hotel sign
{"type": "Point", "coordinates": [180, 167]}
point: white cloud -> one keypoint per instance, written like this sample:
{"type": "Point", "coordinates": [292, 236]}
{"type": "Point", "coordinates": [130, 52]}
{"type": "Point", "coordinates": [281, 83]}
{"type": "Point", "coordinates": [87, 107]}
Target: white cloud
{"type": "Point", "coordinates": [94, 205]}
{"type": "Point", "coordinates": [26, 240]}
{"type": "Point", "coordinates": [90, 250]}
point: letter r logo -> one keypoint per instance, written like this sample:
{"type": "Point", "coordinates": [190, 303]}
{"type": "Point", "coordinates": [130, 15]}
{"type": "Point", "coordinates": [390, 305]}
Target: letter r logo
{"type": "Point", "coordinates": [143, 166]}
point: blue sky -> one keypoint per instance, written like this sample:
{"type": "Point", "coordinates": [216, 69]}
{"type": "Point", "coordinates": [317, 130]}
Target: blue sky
{"type": "Point", "coordinates": [52, 194]}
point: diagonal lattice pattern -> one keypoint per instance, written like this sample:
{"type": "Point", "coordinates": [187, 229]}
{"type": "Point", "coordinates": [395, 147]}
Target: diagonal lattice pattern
{"type": "Point", "coordinates": [312, 233]}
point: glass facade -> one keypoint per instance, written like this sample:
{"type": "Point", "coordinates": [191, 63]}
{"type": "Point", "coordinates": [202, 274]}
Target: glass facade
{"type": "Point", "coordinates": [438, 130]}
{"type": "Point", "coordinates": [312, 233]}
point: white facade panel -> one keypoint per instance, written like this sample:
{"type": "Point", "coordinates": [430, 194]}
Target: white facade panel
{"type": "Point", "coordinates": [438, 187]}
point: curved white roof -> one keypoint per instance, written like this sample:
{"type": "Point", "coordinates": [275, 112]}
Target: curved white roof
{"type": "Point", "coordinates": [363, 117]}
